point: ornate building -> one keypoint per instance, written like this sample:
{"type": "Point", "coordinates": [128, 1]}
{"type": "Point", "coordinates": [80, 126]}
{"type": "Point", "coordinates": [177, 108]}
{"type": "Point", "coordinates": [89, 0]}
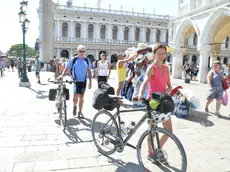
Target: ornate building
{"type": "Point", "coordinates": [100, 30]}
{"type": "Point", "coordinates": [200, 33]}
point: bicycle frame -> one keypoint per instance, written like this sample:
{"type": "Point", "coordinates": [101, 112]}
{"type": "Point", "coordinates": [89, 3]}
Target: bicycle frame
{"type": "Point", "coordinates": [147, 115]}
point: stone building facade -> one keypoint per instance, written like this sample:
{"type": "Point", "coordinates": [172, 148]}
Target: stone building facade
{"type": "Point", "coordinates": [100, 30]}
{"type": "Point", "coordinates": [200, 33]}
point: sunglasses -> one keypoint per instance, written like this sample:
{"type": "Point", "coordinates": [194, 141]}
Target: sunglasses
{"type": "Point", "coordinates": [81, 51]}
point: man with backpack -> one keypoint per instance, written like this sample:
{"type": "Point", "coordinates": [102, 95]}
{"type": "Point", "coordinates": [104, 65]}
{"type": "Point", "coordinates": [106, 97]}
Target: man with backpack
{"type": "Point", "coordinates": [79, 66]}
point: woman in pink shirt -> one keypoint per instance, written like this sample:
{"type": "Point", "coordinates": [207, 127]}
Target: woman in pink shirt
{"type": "Point", "coordinates": [157, 78]}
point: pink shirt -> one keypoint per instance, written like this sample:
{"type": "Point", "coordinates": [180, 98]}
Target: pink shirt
{"type": "Point", "coordinates": [158, 81]}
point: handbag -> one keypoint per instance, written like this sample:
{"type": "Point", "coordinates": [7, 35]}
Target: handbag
{"type": "Point", "coordinates": [224, 82]}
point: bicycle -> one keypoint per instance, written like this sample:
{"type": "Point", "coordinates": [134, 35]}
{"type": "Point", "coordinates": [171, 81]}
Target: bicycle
{"type": "Point", "coordinates": [118, 143]}
{"type": "Point", "coordinates": [61, 95]}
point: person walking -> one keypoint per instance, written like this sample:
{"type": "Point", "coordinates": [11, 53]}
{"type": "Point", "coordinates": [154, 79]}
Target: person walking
{"type": "Point", "coordinates": [20, 66]}
{"type": "Point", "coordinates": [121, 73]}
{"type": "Point", "coordinates": [215, 90]}
{"type": "Point", "coordinates": [80, 66]}
{"type": "Point", "coordinates": [103, 69]}
{"type": "Point", "coordinates": [37, 68]}
{"type": "Point", "coordinates": [1, 67]}
{"type": "Point", "coordinates": [157, 78]}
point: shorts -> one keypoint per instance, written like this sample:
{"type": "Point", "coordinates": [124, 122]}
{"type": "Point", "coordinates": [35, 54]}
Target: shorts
{"type": "Point", "coordinates": [101, 78]}
{"type": "Point", "coordinates": [79, 88]}
{"type": "Point", "coordinates": [121, 84]}
{"type": "Point", "coordinates": [37, 72]}
{"type": "Point", "coordinates": [215, 93]}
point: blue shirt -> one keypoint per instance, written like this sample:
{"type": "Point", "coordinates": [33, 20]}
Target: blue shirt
{"type": "Point", "coordinates": [1, 65]}
{"type": "Point", "coordinates": [80, 68]}
{"type": "Point", "coordinates": [37, 65]}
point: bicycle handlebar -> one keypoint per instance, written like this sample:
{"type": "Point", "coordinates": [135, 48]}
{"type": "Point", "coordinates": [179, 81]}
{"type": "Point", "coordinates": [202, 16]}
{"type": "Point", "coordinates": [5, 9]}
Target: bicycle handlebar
{"type": "Point", "coordinates": [60, 81]}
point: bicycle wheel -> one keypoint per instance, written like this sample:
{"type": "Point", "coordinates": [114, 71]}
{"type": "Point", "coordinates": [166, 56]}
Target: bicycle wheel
{"type": "Point", "coordinates": [106, 131]}
{"type": "Point", "coordinates": [178, 161]}
{"type": "Point", "coordinates": [63, 114]}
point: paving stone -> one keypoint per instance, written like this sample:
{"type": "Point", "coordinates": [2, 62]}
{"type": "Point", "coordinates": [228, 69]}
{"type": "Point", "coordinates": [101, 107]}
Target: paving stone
{"type": "Point", "coordinates": [83, 162]}
{"type": "Point", "coordinates": [34, 137]}
{"type": "Point", "coordinates": [51, 165]}
{"type": "Point", "coordinates": [42, 148]}
{"type": "Point", "coordinates": [23, 167]}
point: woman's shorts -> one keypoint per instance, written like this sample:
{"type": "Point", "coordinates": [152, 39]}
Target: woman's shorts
{"type": "Point", "coordinates": [215, 93]}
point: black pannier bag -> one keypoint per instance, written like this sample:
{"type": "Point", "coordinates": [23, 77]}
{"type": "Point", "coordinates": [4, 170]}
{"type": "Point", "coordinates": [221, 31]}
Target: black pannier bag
{"type": "Point", "coordinates": [166, 102]}
{"type": "Point", "coordinates": [52, 94]}
{"type": "Point", "coordinates": [66, 91]}
{"type": "Point", "coordinates": [101, 99]}
{"type": "Point", "coordinates": [106, 86]}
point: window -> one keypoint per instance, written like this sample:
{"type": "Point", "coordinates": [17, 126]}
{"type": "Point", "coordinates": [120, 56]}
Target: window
{"type": "Point", "coordinates": [226, 42]}
{"type": "Point", "coordinates": [126, 34]}
{"type": "Point", "coordinates": [147, 35]}
{"type": "Point", "coordinates": [64, 29]}
{"type": "Point", "coordinates": [158, 35]}
{"type": "Point", "coordinates": [114, 32]}
{"type": "Point", "coordinates": [137, 34]}
{"type": "Point", "coordinates": [78, 30]}
{"type": "Point", "coordinates": [103, 28]}
{"type": "Point", "coordinates": [90, 31]}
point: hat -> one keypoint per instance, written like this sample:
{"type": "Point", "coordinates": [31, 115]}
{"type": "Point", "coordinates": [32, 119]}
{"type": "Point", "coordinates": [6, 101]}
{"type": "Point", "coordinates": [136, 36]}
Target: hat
{"type": "Point", "coordinates": [141, 46]}
{"type": "Point", "coordinates": [140, 58]}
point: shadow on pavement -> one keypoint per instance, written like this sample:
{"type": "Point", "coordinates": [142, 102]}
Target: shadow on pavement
{"type": "Point", "coordinates": [222, 117]}
{"type": "Point", "coordinates": [39, 93]}
{"type": "Point", "coordinates": [71, 131]}
{"type": "Point", "coordinates": [199, 117]}
{"type": "Point", "coordinates": [124, 167]}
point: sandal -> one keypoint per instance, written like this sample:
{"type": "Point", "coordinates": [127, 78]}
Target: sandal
{"type": "Point", "coordinates": [80, 115]}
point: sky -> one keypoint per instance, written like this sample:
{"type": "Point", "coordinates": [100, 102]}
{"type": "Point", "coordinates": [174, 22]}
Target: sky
{"type": "Point", "coordinates": [11, 32]}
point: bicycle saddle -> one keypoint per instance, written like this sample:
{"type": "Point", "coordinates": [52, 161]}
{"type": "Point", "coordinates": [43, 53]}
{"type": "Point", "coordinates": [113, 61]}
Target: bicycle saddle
{"type": "Point", "coordinates": [114, 96]}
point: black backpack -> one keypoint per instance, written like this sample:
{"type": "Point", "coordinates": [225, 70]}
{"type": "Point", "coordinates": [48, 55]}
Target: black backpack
{"type": "Point", "coordinates": [41, 65]}
{"type": "Point", "coordinates": [101, 99]}
{"type": "Point", "coordinates": [74, 61]}
{"type": "Point", "coordinates": [166, 102]}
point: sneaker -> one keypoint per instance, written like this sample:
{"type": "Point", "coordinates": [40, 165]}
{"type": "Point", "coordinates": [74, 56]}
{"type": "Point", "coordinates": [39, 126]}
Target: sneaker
{"type": "Point", "coordinates": [39, 82]}
{"type": "Point", "coordinates": [80, 115]}
{"type": "Point", "coordinates": [206, 110]}
{"type": "Point", "coordinates": [74, 110]}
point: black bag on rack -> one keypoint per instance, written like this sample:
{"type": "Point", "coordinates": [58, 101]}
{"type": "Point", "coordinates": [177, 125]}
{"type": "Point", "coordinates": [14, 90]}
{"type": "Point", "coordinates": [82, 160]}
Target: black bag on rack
{"type": "Point", "coordinates": [166, 102]}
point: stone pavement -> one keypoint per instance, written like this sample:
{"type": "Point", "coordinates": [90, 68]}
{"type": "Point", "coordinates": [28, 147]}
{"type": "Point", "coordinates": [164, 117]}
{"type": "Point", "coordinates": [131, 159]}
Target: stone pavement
{"type": "Point", "coordinates": [31, 139]}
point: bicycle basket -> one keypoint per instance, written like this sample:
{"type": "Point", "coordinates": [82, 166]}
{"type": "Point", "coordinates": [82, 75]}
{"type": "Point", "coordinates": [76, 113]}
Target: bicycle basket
{"type": "Point", "coordinates": [52, 94]}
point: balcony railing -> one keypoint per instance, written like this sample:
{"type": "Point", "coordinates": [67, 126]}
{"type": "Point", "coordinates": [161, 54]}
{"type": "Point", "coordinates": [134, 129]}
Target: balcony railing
{"type": "Point", "coordinates": [93, 40]}
{"type": "Point", "coordinates": [112, 12]}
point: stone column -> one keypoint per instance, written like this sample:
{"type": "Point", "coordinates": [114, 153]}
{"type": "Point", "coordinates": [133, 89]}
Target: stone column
{"type": "Point", "coordinates": [108, 32]}
{"type": "Point", "coordinates": [132, 33]}
{"type": "Point", "coordinates": [177, 63]}
{"type": "Point", "coordinates": [120, 33]}
{"type": "Point", "coordinates": [58, 53]}
{"type": "Point", "coordinates": [213, 57]}
{"type": "Point", "coordinates": [58, 29]}
{"type": "Point", "coordinates": [153, 35]}
{"type": "Point", "coordinates": [163, 35]}
{"type": "Point", "coordinates": [143, 34]}
{"type": "Point", "coordinates": [84, 31]}
{"type": "Point", "coordinates": [203, 70]}
{"type": "Point", "coordinates": [47, 48]}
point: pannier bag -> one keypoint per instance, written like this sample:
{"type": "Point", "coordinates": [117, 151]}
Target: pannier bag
{"type": "Point", "coordinates": [101, 99]}
{"type": "Point", "coordinates": [53, 94]}
{"type": "Point", "coordinates": [106, 86]}
{"type": "Point", "coordinates": [163, 103]}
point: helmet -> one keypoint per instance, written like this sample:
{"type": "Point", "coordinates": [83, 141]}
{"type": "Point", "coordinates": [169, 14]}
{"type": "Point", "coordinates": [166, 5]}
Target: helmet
{"type": "Point", "coordinates": [160, 117]}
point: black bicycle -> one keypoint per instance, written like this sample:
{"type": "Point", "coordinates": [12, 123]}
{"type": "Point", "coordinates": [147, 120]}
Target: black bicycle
{"type": "Point", "coordinates": [109, 139]}
{"type": "Point", "coordinates": [61, 94]}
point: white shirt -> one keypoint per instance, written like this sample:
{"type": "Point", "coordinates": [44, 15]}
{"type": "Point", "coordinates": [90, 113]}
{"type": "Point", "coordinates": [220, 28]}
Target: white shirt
{"type": "Point", "coordinates": [103, 68]}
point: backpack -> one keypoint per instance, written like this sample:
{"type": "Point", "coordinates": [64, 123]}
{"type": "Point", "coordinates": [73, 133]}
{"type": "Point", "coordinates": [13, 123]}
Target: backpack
{"type": "Point", "coordinates": [74, 61]}
{"type": "Point", "coordinates": [101, 99]}
{"type": "Point", "coordinates": [182, 107]}
{"type": "Point", "coordinates": [41, 65]}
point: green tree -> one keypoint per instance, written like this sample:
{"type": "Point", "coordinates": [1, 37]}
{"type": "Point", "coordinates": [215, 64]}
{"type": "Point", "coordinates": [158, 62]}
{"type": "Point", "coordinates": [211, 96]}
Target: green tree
{"type": "Point", "coordinates": [17, 50]}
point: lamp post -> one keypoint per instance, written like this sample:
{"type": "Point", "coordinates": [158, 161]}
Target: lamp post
{"type": "Point", "coordinates": [25, 25]}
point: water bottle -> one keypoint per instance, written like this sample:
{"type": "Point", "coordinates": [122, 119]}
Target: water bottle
{"type": "Point", "coordinates": [123, 129]}
{"type": "Point", "coordinates": [131, 126]}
